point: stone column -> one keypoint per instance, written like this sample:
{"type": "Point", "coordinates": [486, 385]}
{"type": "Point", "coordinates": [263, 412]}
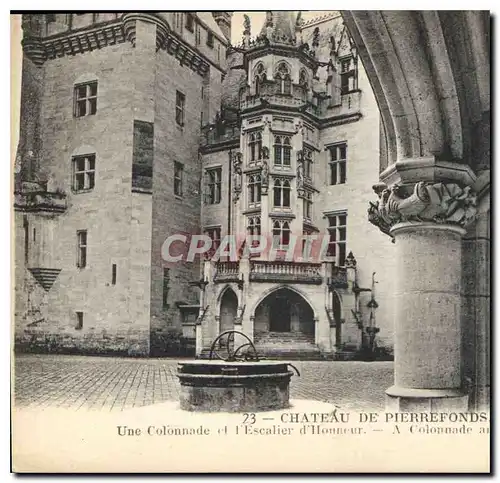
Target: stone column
{"type": "Point", "coordinates": [426, 219]}
{"type": "Point", "coordinates": [427, 345]}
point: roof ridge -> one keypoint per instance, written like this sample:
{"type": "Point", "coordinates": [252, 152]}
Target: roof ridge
{"type": "Point", "coordinates": [333, 13]}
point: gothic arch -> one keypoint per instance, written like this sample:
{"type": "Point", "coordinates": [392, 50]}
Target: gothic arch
{"type": "Point", "coordinates": [430, 75]}
{"type": "Point", "coordinates": [288, 287]}
{"type": "Point", "coordinates": [228, 287]}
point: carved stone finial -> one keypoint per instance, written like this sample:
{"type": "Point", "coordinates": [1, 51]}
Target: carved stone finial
{"type": "Point", "coordinates": [237, 160]}
{"type": "Point", "coordinates": [429, 202]}
{"type": "Point", "coordinates": [246, 24]}
{"type": "Point", "coordinates": [350, 261]}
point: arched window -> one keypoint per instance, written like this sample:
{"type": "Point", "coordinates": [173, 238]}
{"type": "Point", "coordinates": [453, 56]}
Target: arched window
{"type": "Point", "coordinates": [303, 79]}
{"type": "Point", "coordinates": [253, 226]}
{"type": "Point", "coordinates": [255, 145]}
{"type": "Point", "coordinates": [254, 190]}
{"type": "Point", "coordinates": [283, 78]}
{"type": "Point", "coordinates": [281, 233]}
{"type": "Point", "coordinates": [281, 193]}
{"type": "Point", "coordinates": [282, 151]}
{"type": "Point", "coordinates": [259, 77]}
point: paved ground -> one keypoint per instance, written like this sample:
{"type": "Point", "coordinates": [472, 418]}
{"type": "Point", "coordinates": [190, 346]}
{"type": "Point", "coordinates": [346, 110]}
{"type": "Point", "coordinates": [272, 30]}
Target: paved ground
{"type": "Point", "coordinates": [115, 384]}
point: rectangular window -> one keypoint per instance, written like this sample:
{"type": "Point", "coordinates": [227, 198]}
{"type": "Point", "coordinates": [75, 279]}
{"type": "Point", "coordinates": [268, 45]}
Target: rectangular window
{"type": "Point", "coordinates": [79, 321]}
{"type": "Point", "coordinates": [113, 274]}
{"type": "Point", "coordinates": [254, 184]}
{"type": "Point", "coordinates": [142, 156]}
{"type": "Point", "coordinates": [213, 185]}
{"type": "Point", "coordinates": [337, 227]}
{"type": "Point", "coordinates": [307, 205]}
{"type": "Point", "coordinates": [347, 75]}
{"type": "Point", "coordinates": [180, 101]}
{"type": "Point", "coordinates": [81, 256]}
{"type": "Point", "coordinates": [166, 287]}
{"type": "Point", "coordinates": [178, 171]}
{"type": "Point", "coordinates": [85, 99]}
{"type": "Point", "coordinates": [281, 193]}
{"type": "Point", "coordinates": [281, 234]}
{"type": "Point", "coordinates": [210, 39]}
{"type": "Point", "coordinates": [282, 151]}
{"type": "Point", "coordinates": [253, 226]}
{"type": "Point", "coordinates": [50, 17]}
{"type": "Point", "coordinates": [215, 235]}
{"type": "Point", "coordinates": [337, 164]}
{"type": "Point", "coordinates": [190, 22]}
{"type": "Point", "coordinates": [83, 172]}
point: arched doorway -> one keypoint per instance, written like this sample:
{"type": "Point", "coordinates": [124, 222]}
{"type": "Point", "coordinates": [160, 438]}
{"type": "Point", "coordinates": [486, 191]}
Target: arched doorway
{"type": "Point", "coordinates": [284, 311]}
{"type": "Point", "coordinates": [228, 310]}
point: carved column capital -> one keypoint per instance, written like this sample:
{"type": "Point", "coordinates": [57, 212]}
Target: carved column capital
{"type": "Point", "coordinates": [440, 203]}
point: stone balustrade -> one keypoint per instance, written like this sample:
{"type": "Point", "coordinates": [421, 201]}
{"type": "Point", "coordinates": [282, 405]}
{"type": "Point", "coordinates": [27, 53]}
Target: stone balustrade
{"type": "Point", "coordinates": [294, 272]}
{"type": "Point", "coordinates": [227, 272]}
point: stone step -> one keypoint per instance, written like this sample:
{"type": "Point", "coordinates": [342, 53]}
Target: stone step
{"type": "Point", "coordinates": [284, 337]}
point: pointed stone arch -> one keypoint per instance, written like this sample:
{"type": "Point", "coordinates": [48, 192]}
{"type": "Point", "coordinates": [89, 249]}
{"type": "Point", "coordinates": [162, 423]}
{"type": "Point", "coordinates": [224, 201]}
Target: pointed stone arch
{"type": "Point", "coordinates": [284, 286]}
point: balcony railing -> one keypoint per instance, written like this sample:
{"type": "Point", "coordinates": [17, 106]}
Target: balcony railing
{"type": "Point", "coordinates": [264, 271]}
{"type": "Point", "coordinates": [227, 272]}
{"type": "Point", "coordinates": [278, 100]}
{"type": "Point", "coordinates": [213, 134]}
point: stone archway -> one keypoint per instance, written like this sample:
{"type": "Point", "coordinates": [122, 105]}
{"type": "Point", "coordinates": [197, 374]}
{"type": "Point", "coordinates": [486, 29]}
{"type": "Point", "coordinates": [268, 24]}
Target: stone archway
{"type": "Point", "coordinates": [429, 71]}
{"type": "Point", "coordinates": [228, 309]}
{"type": "Point", "coordinates": [284, 312]}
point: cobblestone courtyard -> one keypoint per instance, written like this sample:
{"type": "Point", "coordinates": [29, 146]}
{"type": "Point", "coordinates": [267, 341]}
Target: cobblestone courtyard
{"type": "Point", "coordinates": [115, 384]}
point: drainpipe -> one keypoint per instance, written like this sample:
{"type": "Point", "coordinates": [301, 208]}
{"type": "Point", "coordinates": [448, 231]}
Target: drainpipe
{"type": "Point", "coordinates": [230, 199]}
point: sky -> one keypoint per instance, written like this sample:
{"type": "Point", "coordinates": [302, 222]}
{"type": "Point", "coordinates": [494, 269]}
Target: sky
{"type": "Point", "coordinates": [256, 19]}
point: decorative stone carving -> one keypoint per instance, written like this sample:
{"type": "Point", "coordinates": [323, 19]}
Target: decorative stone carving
{"type": "Point", "coordinates": [246, 23]}
{"type": "Point", "coordinates": [350, 261]}
{"type": "Point", "coordinates": [429, 202]}
{"type": "Point", "coordinates": [265, 172]}
{"type": "Point", "coordinates": [300, 172]}
{"type": "Point", "coordinates": [299, 127]}
{"type": "Point", "coordinates": [237, 160]}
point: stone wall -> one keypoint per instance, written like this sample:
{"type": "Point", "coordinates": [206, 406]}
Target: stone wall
{"type": "Point", "coordinates": [373, 250]}
{"type": "Point", "coordinates": [107, 212]}
{"type": "Point", "coordinates": [173, 214]}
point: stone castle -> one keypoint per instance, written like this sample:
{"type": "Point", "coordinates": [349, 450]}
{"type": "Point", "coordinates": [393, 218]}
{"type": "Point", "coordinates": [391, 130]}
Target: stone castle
{"type": "Point", "coordinates": [139, 126]}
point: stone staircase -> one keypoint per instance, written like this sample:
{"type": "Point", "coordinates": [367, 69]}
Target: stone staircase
{"type": "Point", "coordinates": [287, 345]}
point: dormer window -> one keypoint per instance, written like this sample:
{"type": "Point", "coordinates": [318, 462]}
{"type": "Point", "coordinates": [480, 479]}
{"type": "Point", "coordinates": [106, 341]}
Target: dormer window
{"type": "Point", "coordinates": [348, 78]}
{"type": "Point", "coordinates": [283, 79]}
